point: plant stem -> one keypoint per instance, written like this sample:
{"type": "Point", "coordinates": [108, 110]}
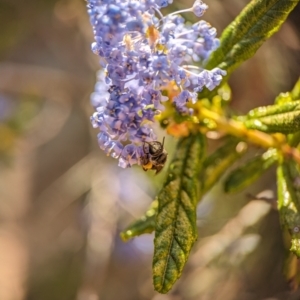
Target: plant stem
{"type": "Point", "coordinates": [256, 137]}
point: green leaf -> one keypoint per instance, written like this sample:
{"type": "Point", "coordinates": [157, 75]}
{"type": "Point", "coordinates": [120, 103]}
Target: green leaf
{"type": "Point", "coordinates": [258, 21]}
{"type": "Point", "coordinates": [218, 162]}
{"type": "Point", "coordinates": [283, 98]}
{"type": "Point", "coordinates": [246, 174]}
{"type": "Point", "coordinates": [176, 229]}
{"type": "Point", "coordinates": [288, 122]}
{"type": "Point", "coordinates": [295, 93]}
{"type": "Point", "coordinates": [146, 224]}
{"type": "Point", "coordinates": [288, 202]}
{"type": "Point", "coordinates": [271, 110]}
{"type": "Point", "coordinates": [294, 139]}
{"type": "Point", "coordinates": [284, 118]}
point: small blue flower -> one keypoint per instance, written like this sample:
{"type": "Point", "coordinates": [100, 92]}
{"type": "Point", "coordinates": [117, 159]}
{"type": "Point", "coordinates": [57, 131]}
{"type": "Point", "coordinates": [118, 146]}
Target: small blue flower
{"type": "Point", "coordinates": [130, 155]}
{"type": "Point", "coordinates": [141, 53]}
{"type": "Point", "coordinates": [199, 8]}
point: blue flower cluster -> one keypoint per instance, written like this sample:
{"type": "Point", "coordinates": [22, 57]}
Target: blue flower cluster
{"type": "Point", "coordinates": [142, 52]}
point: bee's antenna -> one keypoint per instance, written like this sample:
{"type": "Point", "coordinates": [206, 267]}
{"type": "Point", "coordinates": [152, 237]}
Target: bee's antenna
{"type": "Point", "coordinates": [163, 141]}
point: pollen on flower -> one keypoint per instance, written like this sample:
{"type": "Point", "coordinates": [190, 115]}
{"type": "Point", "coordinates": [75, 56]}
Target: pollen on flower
{"type": "Point", "coordinates": [128, 42]}
{"type": "Point", "coordinates": [153, 35]}
{"type": "Point", "coordinates": [143, 54]}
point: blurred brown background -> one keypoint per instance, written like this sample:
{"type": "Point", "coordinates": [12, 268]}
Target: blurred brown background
{"type": "Point", "coordinates": [63, 203]}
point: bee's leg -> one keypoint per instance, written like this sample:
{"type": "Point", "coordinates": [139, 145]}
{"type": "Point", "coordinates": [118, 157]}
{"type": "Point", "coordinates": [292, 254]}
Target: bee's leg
{"type": "Point", "coordinates": [159, 168]}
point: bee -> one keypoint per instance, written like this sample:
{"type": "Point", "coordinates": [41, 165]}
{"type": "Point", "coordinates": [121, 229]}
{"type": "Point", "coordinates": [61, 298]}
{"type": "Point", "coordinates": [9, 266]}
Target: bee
{"type": "Point", "coordinates": [155, 156]}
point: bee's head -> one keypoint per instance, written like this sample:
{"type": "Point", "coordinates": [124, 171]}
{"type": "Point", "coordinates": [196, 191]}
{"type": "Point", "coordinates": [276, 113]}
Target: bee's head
{"type": "Point", "coordinates": [156, 148]}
